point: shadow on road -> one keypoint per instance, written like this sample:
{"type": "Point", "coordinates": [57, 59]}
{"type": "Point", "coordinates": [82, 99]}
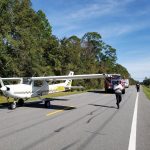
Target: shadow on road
{"type": "Point", "coordinates": [56, 99]}
{"type": "Point", "coordinates": [100, 91]}
{"type": "Point", "coordinates": [3, 106]}
{"type": "Point", "coordinates": [103, 106]}
{"type": "Point", "coordinates": [40, 104]}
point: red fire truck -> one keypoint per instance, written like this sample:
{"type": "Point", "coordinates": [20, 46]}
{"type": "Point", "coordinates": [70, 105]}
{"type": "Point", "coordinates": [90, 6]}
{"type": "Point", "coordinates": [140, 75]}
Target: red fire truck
{"type": "Point", "coordinates": [111, 81]}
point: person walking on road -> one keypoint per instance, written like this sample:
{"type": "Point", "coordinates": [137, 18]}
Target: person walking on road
{"type": "Point", "coordinates": [138, 87]}
{"type": "Point", "coordinates": [118, 92]}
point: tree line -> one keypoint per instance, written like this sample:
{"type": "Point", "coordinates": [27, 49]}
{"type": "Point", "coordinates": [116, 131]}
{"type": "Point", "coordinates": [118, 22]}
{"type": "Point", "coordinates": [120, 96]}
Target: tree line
{"type": "Point", "coordinates": [28, 47]}
{"type": "Point", "coordinates": [146, 82]}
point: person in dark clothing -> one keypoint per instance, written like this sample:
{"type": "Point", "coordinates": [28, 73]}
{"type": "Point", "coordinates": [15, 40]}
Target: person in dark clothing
{"type": "Point", "coordinates": [138, 87]}
{"type": "Point", "coordinates": [118, 92]}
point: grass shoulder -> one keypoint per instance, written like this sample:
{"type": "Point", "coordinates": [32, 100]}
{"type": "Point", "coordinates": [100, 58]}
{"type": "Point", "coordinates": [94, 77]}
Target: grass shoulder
{"type": "Point", "coordinates": [147, 91]}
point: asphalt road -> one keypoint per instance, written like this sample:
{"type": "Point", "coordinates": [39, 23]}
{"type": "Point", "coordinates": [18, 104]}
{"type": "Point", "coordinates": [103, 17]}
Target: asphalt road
{"type": "Point", "coordinates": [88, 121]}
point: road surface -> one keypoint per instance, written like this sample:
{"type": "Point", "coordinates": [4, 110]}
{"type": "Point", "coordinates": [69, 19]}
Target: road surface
{"type": "Point", "coordinates": [87, 121]}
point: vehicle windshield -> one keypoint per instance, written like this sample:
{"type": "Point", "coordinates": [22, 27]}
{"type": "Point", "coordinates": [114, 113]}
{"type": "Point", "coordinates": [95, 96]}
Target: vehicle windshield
{"type": "Point", "coordinates": [114, 82]}
{"type": "Point", "coordinates": [116, 77]}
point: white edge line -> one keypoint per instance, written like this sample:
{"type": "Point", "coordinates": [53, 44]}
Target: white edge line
{"type": "Point", "coordinates": [132, 141]}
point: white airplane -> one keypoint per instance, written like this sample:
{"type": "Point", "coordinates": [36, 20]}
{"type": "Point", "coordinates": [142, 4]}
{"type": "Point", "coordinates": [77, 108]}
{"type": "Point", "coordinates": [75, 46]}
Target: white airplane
{"type": "Point", "coordinates": [38, 86]}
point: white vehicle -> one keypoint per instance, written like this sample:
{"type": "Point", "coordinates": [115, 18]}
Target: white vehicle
{"type": "Point", "coordinates": [126, 83]}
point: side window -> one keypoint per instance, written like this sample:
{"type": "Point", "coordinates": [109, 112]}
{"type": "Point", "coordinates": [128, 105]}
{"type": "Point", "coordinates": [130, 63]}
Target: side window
{"type": "Point", "coordinates": [26, 80]}
{"type": "Point", "coordinates": [38, 83]}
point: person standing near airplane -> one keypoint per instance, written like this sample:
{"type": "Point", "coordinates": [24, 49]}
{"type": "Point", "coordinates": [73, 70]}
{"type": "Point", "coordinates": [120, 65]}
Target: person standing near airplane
{"type": "Point", "coordinates": [118, 92]}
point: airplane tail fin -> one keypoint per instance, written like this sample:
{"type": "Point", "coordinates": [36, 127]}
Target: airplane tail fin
{"type": "Point", "coordinates": [68, 82]}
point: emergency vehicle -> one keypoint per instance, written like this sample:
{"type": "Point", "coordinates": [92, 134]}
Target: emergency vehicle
{"type": "Point", "coordinates": [110, 81]}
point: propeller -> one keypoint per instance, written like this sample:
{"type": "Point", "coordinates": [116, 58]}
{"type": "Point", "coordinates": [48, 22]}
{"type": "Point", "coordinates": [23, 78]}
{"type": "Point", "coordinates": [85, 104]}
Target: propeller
{"type": "Point", "coordinates": [4, 88]}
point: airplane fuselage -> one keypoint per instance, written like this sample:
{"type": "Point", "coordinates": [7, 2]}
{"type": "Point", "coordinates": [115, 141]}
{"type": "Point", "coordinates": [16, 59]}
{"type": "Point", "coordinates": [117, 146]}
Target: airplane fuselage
{"type": "Point", "coordinates": [25, 91]}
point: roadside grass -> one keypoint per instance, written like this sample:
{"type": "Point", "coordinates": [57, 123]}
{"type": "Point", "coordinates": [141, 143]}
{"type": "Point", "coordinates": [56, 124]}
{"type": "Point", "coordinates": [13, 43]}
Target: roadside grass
{"type": "Point", "coordinates": [4, 100]}
{"type": "Point", "coordinates": [146, 91]}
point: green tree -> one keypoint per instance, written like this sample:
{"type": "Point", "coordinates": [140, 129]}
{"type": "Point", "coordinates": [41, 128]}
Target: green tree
{"type": "Point", "coordinates": [24, 37]}
{"type": "Point", "coordinates": [146, 81]}
{"type": "Point", "coordinates": [91, 43]}
{"type": "Point", "coordinates": [119, 69]}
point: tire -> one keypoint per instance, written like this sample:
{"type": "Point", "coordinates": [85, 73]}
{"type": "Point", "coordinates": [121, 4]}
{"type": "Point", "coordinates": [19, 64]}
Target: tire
{"type": "Point", "coordinates": [12, 105]}
{"type": "Point", "coordinates": [20, 102]}
{"type": "Point", "coordinates": [107, 90]}
{"type": "Point", "coordinates": [47, 104]}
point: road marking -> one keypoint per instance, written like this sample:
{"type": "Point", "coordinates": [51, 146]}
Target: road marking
{"type": "Point", "coordinates": [54, 112]}
{"type": "Point", "coordinates": [132, 141]}
{"type": "Point", "coordinates": [61, 110]}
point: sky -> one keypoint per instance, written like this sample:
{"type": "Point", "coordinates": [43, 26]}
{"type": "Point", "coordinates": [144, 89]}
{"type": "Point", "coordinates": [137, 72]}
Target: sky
{"type": "Point", "coordinates": [123, 24]}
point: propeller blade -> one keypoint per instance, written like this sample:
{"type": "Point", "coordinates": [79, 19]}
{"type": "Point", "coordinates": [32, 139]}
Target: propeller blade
{"type": "Point", "coordinates": [3, 88]}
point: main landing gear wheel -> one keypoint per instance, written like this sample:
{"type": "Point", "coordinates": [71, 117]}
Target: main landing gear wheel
{"type": "Point", "coordinates": [20, 102]}
{"type": "Point", "coordinates": [47, 104]}
{"type": "Point", "coordinates": [12, 105]}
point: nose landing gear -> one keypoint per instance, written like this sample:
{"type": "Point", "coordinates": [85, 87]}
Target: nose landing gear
{"type": "Point", "coordinates": [12, 105]}
{"type": "Point", "coordinates": [20, 102]}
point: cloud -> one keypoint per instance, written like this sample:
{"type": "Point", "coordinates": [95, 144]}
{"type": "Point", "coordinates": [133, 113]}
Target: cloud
{"type": "Point", "coordinates": [122, 28]}
{"type": "Point", "coordinates": [90, 11]}
{"type": "Point", "coordinates": [87, 14]}
{"type": "Point", "coordinates": [93, 10]}
{"type": "Point", "coordinates": [98, 8]}
{"type": "Point", "coordinates": [138, 68]}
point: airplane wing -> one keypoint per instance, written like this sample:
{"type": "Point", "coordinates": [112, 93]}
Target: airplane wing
{"type": "Point", "coordinates": [73, 77]}
{"type": "Point", "coordinates": [15, 78]}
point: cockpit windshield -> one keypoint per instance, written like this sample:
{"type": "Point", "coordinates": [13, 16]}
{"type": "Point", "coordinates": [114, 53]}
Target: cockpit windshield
{"type": "Point", "coordinates": [27, 81]}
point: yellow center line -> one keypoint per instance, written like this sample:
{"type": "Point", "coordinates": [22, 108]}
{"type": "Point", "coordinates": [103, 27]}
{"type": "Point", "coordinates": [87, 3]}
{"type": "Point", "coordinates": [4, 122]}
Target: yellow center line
{"type": "Point", "coordinates": [54, 112]}
{"type": "Point", "coordinates": [61, 110]}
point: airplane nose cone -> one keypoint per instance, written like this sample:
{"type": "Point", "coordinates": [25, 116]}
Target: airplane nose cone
{"type": "Point", "coordinates": [3, 88]}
